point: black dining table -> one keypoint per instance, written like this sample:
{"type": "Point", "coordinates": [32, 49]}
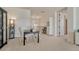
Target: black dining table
{"type": "Point", "coordinates": [25, 33]}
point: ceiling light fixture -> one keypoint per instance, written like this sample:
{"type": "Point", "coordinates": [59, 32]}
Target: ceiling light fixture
{"type": "Point", "coordinates": [42, 11]}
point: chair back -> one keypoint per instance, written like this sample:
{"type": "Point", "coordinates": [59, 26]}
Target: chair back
{"type": "Point", "coordinates": [20, 31]}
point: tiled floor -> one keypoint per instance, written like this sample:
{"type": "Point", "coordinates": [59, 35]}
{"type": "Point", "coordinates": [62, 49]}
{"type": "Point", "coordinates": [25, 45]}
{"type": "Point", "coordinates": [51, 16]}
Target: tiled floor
{"type": "Point", "coordinates": [47, 43]}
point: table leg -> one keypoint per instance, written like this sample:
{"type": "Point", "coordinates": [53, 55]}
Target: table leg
{"type": "Point", "coordinates": [24, 40]}
{"type": "Point", "coordinates": [38, 38]}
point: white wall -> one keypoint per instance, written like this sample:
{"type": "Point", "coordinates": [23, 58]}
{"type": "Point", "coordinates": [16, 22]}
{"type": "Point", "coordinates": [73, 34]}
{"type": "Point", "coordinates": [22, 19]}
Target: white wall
{"type": "Point", "coordinates": [70, 19]}
{"type": "Point", "coordinates": [23, 21]}
{"type": "Point", "coordinates": [23, 18]}
{"type": "Point", "coordinates": [76, 24]}
{"type": "Point", "coordinates": [70, 35]}
{"type": "Point", "coordinates": [77, 18]}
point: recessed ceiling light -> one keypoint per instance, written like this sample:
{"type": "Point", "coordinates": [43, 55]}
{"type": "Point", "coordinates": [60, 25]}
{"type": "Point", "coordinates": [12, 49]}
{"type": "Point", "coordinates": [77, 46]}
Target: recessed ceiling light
{"type": "Point", "coordinates": [42, 11]}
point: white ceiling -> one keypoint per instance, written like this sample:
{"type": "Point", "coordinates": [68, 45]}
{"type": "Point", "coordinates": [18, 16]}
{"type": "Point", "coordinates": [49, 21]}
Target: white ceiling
{"type": "Point", "coordinates": [43, 11]}
{"type": "Point", "coordinates": [38, 11]}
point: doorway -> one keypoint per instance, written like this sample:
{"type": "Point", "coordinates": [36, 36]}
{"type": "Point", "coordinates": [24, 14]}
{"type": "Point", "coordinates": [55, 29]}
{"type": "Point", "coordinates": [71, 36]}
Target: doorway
{"type": "Point", "coordinates": [62, 24]}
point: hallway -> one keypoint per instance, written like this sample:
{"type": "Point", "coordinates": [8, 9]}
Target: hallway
{"type": "Point", "coordinates": [47, 43]}
{"type": "Point", "coordinates": [51, 22]}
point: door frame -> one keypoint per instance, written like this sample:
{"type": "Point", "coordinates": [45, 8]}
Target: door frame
{"type": "Point", "coordinates": [3, 11]}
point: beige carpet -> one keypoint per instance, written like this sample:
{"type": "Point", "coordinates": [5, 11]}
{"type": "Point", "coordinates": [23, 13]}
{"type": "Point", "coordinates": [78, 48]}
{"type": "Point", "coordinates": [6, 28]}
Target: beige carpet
{"type": "Point", "coordinates": [47, 43]}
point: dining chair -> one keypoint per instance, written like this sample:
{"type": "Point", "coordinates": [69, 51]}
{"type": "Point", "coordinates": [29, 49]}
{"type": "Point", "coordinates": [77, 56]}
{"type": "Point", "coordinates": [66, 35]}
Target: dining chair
{"type": "Point", "coordinates": [20, 34]}
{"type": "Point", "coordinates": [30, 36]}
